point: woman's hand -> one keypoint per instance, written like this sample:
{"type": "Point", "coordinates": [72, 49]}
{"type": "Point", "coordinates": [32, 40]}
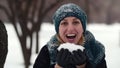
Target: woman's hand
{"type": "Point", "coordinates": [78, 58]}
{"type": "Point", "coordinates": [63, 57]}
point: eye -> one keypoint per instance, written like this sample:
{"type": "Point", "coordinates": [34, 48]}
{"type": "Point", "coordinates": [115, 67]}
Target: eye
{"type": "Point", "coordinates": [64, 23]}
{"type": "Point", "coordinates": [76, 22]}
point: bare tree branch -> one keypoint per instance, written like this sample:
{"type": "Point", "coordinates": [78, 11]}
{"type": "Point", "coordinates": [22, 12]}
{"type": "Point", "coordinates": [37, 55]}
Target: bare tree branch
{"type": "Point", "coordinates": [5, 11]}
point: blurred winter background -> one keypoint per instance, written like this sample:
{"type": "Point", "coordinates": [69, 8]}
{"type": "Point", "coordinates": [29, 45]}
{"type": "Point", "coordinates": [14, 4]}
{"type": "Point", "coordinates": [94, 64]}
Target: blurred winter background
{"type": "Point", "coordinates": [29, 26]}
{"type": "Point", "coordinates": [109, 35]}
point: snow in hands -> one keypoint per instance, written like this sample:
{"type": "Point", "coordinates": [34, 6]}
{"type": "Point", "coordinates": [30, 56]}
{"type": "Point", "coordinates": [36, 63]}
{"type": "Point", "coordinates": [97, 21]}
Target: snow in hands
{"type": "Point", "coordinates": [71, 47]}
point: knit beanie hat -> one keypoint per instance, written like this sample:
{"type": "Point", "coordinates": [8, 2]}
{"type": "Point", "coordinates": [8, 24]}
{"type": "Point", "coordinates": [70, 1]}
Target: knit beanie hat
{"type": "Point", "coordinates": [68, 10]}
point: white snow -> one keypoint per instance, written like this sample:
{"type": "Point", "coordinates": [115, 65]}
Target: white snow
{"type": "Point", "coordinates": [71, 47]}
{"type": "Point", "coordinates": [109, 35]}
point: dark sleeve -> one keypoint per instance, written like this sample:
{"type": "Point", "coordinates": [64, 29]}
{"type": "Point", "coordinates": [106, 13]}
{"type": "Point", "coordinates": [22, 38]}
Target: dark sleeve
{"type": "Point", "coordinates": [42, 60]}
{"type": "Point", "coordinates": [3, 44]}
{"type": "Point", "coordinates": [102, 64]}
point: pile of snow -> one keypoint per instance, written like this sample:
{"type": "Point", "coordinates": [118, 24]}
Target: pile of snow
{"type": "Point", "coordinates": [71, 47]}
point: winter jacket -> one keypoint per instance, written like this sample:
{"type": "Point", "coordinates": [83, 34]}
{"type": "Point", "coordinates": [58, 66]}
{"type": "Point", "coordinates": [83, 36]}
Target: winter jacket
{"type": "Point", "coordinates": [95, 53]}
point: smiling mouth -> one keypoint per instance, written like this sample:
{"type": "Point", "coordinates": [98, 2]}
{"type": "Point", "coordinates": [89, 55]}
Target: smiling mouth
{"type": "Point", "coordinates": [70, 36]}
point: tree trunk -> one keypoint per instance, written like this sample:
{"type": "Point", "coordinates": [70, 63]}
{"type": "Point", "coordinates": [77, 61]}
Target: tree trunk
{"type": "Point", "coordinates": [26, 53]}
{"type": "Point", "coordinates": [37, 41]}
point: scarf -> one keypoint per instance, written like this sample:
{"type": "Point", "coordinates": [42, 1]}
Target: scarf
{"type": "Point", "coordinates": [94, 50]}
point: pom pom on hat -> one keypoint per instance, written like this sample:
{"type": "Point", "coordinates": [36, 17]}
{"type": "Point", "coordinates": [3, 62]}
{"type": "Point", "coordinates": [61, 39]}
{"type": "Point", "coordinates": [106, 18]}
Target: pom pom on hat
{"type": "Point", "coordinates": [68, 10]}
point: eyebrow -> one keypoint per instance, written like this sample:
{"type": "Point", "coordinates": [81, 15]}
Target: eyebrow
{"type": "Point", "coordinates": [73, 19]}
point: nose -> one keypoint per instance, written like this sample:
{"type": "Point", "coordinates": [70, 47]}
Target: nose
{"type": "Point", "coordinates": [70, 27]}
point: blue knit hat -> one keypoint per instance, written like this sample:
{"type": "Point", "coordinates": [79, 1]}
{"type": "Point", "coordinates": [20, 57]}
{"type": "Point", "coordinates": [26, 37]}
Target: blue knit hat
{"type": "Point", "coordinates": [68, 10]}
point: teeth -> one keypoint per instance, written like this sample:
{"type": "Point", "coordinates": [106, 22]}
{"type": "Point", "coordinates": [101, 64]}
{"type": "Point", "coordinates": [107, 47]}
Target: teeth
{"type": "Point", "coordinates": [70, 34]}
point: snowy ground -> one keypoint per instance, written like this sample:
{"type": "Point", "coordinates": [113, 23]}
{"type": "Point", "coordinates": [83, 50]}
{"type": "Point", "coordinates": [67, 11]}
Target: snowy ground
{"type": "Point", "coordinates": [109, 35]}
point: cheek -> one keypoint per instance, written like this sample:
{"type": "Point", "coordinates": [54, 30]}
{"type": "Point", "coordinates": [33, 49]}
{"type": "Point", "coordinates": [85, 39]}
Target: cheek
{"type": "Point", "coordinates": [80, 29]}
{"type": "Point", "coordinates": [79, 32]}
{"type": "Point", "coordinates": [80, 35]}
{"type": "Point", "coordinates": [61, 31]}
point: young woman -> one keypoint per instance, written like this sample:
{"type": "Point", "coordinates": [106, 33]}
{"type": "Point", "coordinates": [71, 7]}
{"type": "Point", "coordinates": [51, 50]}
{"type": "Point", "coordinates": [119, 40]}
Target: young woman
{"type": "Point", "coordinates": [70, 25]}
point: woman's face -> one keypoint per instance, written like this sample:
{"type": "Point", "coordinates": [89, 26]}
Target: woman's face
{"type": "Point", "coordinates": [70, 30]}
